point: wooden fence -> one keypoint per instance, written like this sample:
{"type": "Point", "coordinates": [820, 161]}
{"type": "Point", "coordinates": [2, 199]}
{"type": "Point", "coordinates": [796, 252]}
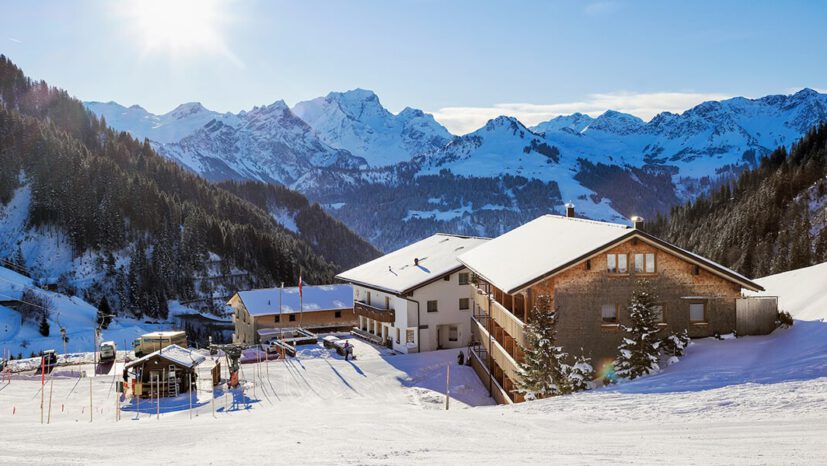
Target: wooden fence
{"type": "Point", "coordinates": [756, 315]}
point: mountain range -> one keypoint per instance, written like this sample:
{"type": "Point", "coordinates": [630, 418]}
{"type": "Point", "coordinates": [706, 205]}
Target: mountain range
{"type": "Point", "coordinates": [395, 178]}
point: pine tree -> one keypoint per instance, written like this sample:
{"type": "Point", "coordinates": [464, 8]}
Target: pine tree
{"type": "Point", "coordinates": [581, 374]}
{"type": "Point", "coordinates": [639, 350]}
{"type": "Point", "coordinates": [674, 345]}
{"type": "Point", "coordinates": [544, 372]}
{"type": "Point", "coordinates": [104, 312]}
{"type": "Point", "coordinates": [44, 325]}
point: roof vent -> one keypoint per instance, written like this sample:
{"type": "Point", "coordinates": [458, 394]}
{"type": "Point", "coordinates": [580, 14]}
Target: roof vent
{"type": "Point", "coordinates": [569, 210]}
{"type": "Point", "coordinates": [638, 222]}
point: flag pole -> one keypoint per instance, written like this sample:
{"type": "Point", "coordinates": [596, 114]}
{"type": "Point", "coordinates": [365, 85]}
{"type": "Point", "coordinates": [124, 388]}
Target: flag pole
{"type": "Point", "coordinates": [301, 301]}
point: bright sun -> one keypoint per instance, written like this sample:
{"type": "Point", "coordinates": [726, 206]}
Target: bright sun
{"type": "Point", "coordinates": [178, 27]}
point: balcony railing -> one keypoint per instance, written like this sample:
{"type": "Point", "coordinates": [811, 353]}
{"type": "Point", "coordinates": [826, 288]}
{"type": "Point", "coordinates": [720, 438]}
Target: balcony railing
{"type": "Point", "coordinates": [375, 313]}
{"type": "Point", "coordinates": [498, 353]}
{"type": "Point", "coordinates": [505, 319]}
{"type": "Point", "coordinates": [479, 362]}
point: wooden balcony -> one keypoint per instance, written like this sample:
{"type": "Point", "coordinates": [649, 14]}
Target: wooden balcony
{"type": "Point", "coordinates": [510, 323]}
{"type": "Point", "coordinates": [499, 354]}
{"type": "Point", "coordinates": [375, 313]}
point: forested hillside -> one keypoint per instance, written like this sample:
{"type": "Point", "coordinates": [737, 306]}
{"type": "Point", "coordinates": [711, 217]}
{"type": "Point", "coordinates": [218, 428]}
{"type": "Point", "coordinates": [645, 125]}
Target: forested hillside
{"type": "Point", "coordinates": [154, 230]}
{"type": "Point", "coordinates": [328, 237]}
{"type": "Point", "coordinates": [770, 220]}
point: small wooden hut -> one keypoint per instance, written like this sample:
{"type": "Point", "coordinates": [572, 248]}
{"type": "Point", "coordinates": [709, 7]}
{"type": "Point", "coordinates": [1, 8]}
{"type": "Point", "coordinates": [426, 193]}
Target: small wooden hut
{"type": "Point", "coordinates": [166, 372]}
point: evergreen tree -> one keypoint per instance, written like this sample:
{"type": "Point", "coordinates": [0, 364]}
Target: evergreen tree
{"type": "Point", "coordinates": [639, 350]}
{"type": "Point", "coordinates": [104, 312]}
{"type": "Point", "coordinates": [674, 345]}
{"type": "Point", "coordinates": [581, 374]}
{"type": "Point", "coordinates": [544, 372]}
{"type": "Point", "coordinates": [44, 325]}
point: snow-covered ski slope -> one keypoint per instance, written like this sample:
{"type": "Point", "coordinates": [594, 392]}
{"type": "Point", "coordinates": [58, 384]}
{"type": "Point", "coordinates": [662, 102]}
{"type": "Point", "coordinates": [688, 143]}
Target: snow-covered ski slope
{"type": "Point", "coordinates": [751, 400]}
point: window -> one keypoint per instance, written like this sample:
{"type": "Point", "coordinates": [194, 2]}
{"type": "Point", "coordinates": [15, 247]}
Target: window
{"type": "Point", "coordinates": [464, 304]}
{"type": "Point", "coordinates": [608, 313]}
{"type": "Point", "coordinates": [639, 263]}
{"type": "Point", "coordinates": [658, 310]}
{"type": "Point", "coordinates": [447, 278]}
{"type": "Point", "coordinates": [697, 312]}
{"type": "Point", "coordinates": [453, 333]}
{"type": "Point", "coordinates": [463, 278]}
{"type": "Point", "coordinates": [432, 306]}
{"type": "Point", "coordinates": [409, 336]}
{"type": "Point", "coordinates": [650, 262]}
{"type": "Point", "coordinates": [276, 319]}
{"type": "Point", "coordinates": [387, 302]}
{"type": "Point", "coordinates": [292, 317]}
{"type": "Point", "coordinates": [368, 298]}
{"type": "Point", "coordinates": [338, 314]}
{"type": "Point", "coordinates": [398, 335]}
{"type": "Point", "coordinates": [617, 263]}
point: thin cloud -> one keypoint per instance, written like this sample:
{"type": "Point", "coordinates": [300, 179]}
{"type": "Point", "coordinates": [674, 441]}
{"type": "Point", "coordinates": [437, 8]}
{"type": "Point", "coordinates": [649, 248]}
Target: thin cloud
{"type": "Point", "coordinates": [462, 120]}
{"type": "Point", "coordinates": [16, 41]}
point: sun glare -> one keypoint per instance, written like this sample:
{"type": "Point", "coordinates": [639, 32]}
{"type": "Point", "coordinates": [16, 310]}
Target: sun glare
{"type": "Point", "coordinates": [178, 27]}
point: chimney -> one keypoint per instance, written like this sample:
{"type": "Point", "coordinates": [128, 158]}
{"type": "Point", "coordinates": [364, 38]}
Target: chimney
{"type": "Point", "coordinates": [638, 222]}
{"type": "Point", "coordinates": [416, 261]}
{"type": "Point", "coordinates": [569, 210]}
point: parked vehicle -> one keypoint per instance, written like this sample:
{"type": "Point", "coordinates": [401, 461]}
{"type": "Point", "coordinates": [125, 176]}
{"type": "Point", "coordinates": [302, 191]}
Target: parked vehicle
{"type": "Point", "coordinates": [108, 351]}
{"type": "Point", "coordinates": [154, 341]}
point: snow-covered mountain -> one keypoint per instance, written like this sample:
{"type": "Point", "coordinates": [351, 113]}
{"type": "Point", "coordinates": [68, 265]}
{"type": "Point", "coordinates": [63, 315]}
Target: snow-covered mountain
{"type": "Point", "coordinates": [357, 121]}
{"type": "Point", "coordinates": [173, 126]}
{"type": "Point", "coordinates": [345, 150]}
{"type": "Point", "coordinates": [268, 143]}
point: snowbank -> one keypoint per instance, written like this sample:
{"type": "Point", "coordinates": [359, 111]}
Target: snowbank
{"type": "Point", "coordinates": [801, 292]}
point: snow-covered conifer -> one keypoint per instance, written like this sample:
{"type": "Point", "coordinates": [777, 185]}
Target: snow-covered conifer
{"type": "Point", "coordinates": [544, 372]}
{"type": "Point", "coordinates": [581, 374]}
{"type": "Point", "coordinates": [639, 350]}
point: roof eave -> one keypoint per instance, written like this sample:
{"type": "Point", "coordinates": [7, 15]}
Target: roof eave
{"type": "Point", "coordinates": [718, 270]}
{"type": "Point", "coordinates": [408, 290]}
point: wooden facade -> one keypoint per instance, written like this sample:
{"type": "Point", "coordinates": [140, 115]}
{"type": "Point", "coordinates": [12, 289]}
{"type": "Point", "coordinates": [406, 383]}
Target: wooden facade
{"type": "Point", "coordinates": [324, 320]}
{"type": "Point", "coordinates": [685, 286]}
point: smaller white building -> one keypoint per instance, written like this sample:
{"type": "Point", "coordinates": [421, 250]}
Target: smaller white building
{"type": "Point", "coordinates": [416, 298]}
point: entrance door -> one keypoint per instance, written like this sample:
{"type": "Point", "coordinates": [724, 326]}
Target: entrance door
{"type": "Point", "coordinates": [439, 337]}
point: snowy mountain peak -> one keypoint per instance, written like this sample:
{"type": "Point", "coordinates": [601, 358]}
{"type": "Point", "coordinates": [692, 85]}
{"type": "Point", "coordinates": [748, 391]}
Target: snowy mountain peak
{"type": "Point", "coordinates": [357, 122]}
{"type": "Point", "coordinates": [612, 121]}
{"type": "Point", "coordinates": [508, 123]}
{"type": "Point", "coordinates": [186, 110]}
{"type": "Point", "coordinates": [576, 122]}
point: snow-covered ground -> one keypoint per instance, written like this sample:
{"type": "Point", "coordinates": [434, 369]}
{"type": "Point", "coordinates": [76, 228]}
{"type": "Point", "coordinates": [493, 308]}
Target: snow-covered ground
{"type": "Point", "coordinates": [751, 400]}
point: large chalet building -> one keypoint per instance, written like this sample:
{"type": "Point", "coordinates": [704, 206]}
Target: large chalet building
{"type": "Point", "coordinates": [589, 270]}
{"type": "Point", "coordinates": [417, 298]}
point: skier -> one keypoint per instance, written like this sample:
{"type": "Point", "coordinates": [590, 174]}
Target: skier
{"type": "Point", "coordinates": [347, 349]}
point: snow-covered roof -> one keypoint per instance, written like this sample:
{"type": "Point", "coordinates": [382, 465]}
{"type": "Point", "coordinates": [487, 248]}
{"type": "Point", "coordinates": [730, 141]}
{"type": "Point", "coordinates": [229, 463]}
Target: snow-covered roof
{"type": "Point", "coordinates": [399, 272]}
{"type": "Point", "coordinates": [543, 244]}
{"type": "Point", "coordinates": [265, 301]}
{"type": "Point", "coordinates": [551, 243]}
{"type": "Point", "coordinates": [174, 353]}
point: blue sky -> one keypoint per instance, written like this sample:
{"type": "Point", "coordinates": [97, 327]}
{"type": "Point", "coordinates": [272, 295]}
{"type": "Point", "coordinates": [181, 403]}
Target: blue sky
{"type": "Point", "coordinates": [464, 61]}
